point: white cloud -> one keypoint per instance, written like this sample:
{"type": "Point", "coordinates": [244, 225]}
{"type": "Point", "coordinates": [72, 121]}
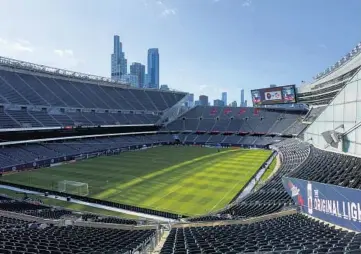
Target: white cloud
{"type": "Point", "coordinates": [17, 46]}
{"type": "Point", "coordinates": [9, 48]}
{"type": "Point", "coordinates": [168, 12]}
{"type": "Point", "coordinates": [322, 46]}
{"type": "Point", "coordinates": [3, 41]}
{"type": "Point", "coordinates": [64, 52]}
{"type": "Point", "coordinates": [247, 3]}
{"type": "Point", "coordinates": [66, 59]}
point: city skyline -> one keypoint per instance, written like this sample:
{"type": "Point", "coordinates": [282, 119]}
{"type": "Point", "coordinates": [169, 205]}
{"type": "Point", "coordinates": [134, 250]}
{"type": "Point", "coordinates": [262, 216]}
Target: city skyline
{"type": "Point", "coordinates": [257, 42]}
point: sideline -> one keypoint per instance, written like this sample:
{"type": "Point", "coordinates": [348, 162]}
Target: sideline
{"type": "Point", "coordinates": [109, 208]}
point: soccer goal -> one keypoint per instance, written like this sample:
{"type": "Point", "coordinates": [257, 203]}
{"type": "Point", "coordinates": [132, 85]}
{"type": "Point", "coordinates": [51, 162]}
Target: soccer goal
{"type": "Point", "coordinates": [72, 187]}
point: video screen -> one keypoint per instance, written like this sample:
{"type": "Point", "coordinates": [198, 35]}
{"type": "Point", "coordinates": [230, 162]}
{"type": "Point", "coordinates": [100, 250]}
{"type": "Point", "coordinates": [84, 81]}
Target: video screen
{"type": "Point", "coordinates": [274, 95]}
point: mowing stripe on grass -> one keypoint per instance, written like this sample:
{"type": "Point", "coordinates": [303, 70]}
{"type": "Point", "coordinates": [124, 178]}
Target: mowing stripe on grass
{"type": "Point", "coordinates": [160, 172]}
{"type": "Point", "coordinates": [184, 180]}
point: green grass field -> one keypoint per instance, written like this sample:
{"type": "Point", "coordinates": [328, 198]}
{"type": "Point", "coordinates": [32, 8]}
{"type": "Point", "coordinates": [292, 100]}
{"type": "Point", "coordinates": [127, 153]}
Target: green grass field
{"type": "Point", "coordinates": [185, 180]}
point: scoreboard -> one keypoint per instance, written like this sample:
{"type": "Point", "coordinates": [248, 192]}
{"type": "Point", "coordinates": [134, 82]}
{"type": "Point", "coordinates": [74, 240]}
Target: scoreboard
{"type": "Point", "coordinates": [274, 95]}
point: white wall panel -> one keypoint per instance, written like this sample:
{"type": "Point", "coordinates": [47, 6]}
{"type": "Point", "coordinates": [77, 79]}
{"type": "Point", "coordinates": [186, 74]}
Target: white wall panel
{"type": "Point", "coordinates": [359, 89]}
{"type": "Point", "coordinates": [349, 114]}
{"type": "Point", "coordinates": [338, 112]}
{"type": "Point", "coordinates": [328, 113]}
{"type": "Point", "coordinates": [351, 92]}
{"type": "Point", "coordinates": [358, 113]}
{"type": "Point", "coordinates": [339, 98]}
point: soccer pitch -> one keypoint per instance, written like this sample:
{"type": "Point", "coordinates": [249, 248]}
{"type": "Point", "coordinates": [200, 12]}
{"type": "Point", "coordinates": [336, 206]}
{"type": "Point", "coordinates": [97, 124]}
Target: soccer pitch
{"type": "Point", "coordinates": [179, 179]}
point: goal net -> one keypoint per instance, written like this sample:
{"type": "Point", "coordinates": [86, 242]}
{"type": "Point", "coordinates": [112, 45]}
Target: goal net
{"type": "Point", "coordinates": [72, 187]}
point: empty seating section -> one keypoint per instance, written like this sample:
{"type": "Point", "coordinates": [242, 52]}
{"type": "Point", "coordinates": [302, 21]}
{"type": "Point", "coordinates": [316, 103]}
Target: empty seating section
{"type": "Point", "coordinates": [331, 168]}
{"type": "Point", "coordinates": [20, 237]}
{"type": "Point", "coordinates": [229, 139]}
{"type": "Point", "coordinates": [44, 118]}
{"type": "Point", "coordinates": [288, 234]}
{"type": "Point", "coordinates": [28, 118]}
{"type": "Point", "coordinates": [22, 88]}
{"type": "Point", "coordinates": [252, 120]}
{"type": "Point", "coordinates": [7, 122]}
{"type": "Point", "coordinates": [46, 92]}
{"type": "Point", "coordinates": [24, 118]}
{"type": "Point", "coordinates": [18, 155]}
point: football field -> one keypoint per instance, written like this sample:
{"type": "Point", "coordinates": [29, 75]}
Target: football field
{"type": "Point", "coordinates": [185, 180]}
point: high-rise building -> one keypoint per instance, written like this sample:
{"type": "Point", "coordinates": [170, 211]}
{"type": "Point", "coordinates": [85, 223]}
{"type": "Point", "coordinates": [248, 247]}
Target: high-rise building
{"type": "Point", "coordinates": [234, 104]}
{"type": "Point", "coordinates": [146, 81]}
{"type": "Point", "coordinates": [138, 69]}
{"type": "Point", "coordinates": [118, 62]}
{"type": "Point", "coordinates": [190, 100]}
{"type": "Point", "coordinates": [242, 98]}
{"type": "Point", "coordinates": [153, 68]}
{"type": "Point", "coordinates": [130, 79]}
{"type": "Point", "coordinates": [197, 103]}
{"type": "Point", "coordinates": [164, 87]}
{"type": "Point", "coordinates": [203, 100]}
{"type": "Point", "coordinates": [224, 98]}
{"type": "Point", "coordinates": [245, 103]}
{"type": "Point", "coordinates": [218, 103]}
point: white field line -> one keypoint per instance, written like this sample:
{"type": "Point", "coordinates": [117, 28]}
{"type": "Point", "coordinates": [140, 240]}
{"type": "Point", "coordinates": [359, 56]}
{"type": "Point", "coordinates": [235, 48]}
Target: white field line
{"type": "Point", "coordinates": [235, 185]}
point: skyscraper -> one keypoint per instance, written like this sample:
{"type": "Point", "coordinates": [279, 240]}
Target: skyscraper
{"type": "Point", "coordinates": [218, 103]}
{"type": "Point", "coordinates": [242, 98]}
{"type": "Point", "coordinates": [153, 68]}
{"type": "Point", "coordinates": [190, 100]}
{"type": "Point", "coordinates": [203, 100]}
{"type": "Point", "coordinates": [224, 98]}
{"type": "Point", "coordinates": [146, 80]}
{"type": "Point", "coordinates": [130, 79]}
{"type": "Point", "coordinates": [118, 62]}
{"type": "Point", "coordinates": [138, 70]}
{"type": "Point", "coordinates": [234, 104]}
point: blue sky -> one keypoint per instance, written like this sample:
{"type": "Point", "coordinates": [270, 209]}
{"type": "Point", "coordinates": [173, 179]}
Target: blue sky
{"type": "Point", "coordinates": [206, 46]}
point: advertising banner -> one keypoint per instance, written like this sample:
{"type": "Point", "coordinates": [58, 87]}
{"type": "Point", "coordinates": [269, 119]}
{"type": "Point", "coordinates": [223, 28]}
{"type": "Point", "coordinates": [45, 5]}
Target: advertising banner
{"type": "Point", "coordinates": [337, 205]}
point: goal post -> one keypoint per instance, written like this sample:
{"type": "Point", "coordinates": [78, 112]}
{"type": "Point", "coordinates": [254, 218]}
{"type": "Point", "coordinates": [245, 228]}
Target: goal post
{"type": "Point", "coordinates": [73, 187]}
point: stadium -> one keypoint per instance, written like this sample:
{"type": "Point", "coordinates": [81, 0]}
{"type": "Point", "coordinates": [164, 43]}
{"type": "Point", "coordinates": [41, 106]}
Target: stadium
{"type": "Point", "coordinates": [89, 165]}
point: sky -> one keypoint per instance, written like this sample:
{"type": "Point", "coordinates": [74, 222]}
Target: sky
{"type": "Point", "coordinates": [205, 46]}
